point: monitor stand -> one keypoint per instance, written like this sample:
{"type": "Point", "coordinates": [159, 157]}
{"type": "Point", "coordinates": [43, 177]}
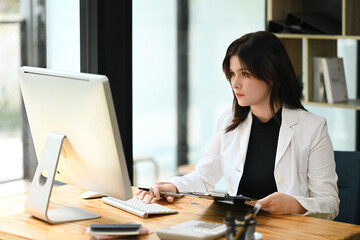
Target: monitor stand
{"type": "Point", "coordinates": [37, 203]}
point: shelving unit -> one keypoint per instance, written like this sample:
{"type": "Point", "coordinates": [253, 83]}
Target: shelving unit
{"type": "Point", "coordinates": [303, 47]}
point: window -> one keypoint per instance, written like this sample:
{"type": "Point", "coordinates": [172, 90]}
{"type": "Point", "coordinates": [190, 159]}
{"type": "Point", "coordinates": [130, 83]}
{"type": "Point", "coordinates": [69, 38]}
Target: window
{"type": "Point", "coordinates": [212, 26]}
{"type": "Point", "coordinates": [154, 86]}
{"type": "Point", "coordinates": [11, 161]}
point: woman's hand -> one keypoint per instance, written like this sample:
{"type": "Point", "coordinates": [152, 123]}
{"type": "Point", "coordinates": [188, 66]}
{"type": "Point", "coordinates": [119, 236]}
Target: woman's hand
{"type": "Point", "coordinates": [279, 203]}
{"type": "Point", "coordinates": [163, 187]}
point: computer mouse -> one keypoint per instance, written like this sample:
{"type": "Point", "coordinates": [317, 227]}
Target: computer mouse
{"type": "Point", "coordinates": [257, 236]}
{"type": "Point", "coordinates": [90, 195]}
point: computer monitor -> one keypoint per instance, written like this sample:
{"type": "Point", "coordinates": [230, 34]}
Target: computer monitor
{"type": "Point", "coordinates": [76, 137]}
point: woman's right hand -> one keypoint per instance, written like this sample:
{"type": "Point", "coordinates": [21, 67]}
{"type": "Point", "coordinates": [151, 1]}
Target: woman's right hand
{"type": "Point", "coordinates": [159, 187]}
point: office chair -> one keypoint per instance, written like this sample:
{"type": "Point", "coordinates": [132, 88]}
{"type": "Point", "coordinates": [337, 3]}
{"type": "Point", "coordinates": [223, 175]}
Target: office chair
{"type": "Point", "coordinates": [140, 159]}
{"type": "Point", "coordinates": [348, 171]}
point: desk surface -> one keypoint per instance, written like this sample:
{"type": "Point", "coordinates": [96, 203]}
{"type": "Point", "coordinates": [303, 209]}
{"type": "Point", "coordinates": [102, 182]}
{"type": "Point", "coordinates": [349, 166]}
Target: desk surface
{"type": "Point", "coordinates": [16, 224]}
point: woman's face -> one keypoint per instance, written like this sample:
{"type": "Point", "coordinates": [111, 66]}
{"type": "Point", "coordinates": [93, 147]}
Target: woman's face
{"type": "Point", "coordinates": [248, 90]}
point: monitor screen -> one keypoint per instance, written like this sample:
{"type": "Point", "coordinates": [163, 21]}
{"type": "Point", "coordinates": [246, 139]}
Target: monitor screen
{"type": "Point", "coordinates": [78, 106]}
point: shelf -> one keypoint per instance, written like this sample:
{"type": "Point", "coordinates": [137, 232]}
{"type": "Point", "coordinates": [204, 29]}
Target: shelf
{"type": "Point", "coordinates": [351, 104]}
{"type": "Point", "coordinates": [302, 48]}
{"type": "Point", "coordinates": [351, 18]}
{"type": "Point", "coordinates": [317, 36]}
{"type": "Point", "coordinates": [345, 11]}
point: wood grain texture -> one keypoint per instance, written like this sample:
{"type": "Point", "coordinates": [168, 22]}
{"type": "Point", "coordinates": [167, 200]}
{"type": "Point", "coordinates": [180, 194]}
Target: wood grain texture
{"type": "Point", "coordinates": [352, 17]}
{"type": "Point", "coordinates": [16, 224]}
{"type": "Point", "coordinates": [278, 9]}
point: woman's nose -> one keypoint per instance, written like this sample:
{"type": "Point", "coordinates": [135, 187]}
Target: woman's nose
{"type": "Point", "coordinates": [236, 82]}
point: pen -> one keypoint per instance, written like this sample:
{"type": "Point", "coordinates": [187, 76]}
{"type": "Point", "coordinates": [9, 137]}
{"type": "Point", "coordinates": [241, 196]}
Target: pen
{"type": "Point", "coordinates": [249, 215]}
{"type": "Point", "coordinates": [162, 192]}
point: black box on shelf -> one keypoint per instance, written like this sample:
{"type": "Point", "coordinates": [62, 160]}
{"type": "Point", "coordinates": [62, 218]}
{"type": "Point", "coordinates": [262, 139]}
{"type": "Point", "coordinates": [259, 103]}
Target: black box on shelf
{"type": "Point", "coordinates": [277, 27]}
{"type": "Point", "coordinates": [313, 23]}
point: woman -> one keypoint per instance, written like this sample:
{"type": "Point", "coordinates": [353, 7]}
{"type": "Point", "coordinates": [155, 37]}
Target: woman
{"type": "Point", "coordinates": [267, 146]}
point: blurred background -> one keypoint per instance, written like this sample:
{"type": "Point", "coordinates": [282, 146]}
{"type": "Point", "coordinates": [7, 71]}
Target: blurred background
{"type": "Point", "coordinates": [26, 26]}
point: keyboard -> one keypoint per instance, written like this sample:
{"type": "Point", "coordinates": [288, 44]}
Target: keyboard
{"type": "Point", "coordinates": [192, 230]}
{"type": "Point", "coordinates": [138, 207]}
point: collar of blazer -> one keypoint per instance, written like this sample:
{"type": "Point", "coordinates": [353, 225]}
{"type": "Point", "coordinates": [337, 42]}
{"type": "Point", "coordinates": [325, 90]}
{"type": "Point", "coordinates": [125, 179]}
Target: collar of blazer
{"type": "Point", "coordinates": [289, 118]}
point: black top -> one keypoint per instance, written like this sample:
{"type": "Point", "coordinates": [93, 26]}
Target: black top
{"type": "Point", "coordinates": [258, 178]}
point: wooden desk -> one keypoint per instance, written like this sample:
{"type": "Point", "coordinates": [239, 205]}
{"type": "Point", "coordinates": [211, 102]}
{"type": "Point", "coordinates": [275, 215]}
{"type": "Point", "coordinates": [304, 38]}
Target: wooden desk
{"type": "Point", "coordinates": [16, 224]}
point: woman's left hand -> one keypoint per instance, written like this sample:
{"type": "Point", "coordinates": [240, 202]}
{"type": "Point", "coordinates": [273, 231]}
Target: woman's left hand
{"type": "Point", "coordinates": [279, 203]}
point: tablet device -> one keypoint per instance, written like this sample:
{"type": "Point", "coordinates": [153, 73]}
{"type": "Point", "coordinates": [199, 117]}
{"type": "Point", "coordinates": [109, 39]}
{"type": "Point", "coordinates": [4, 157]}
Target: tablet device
{"type": "Point", "coordinates": [113, 229]}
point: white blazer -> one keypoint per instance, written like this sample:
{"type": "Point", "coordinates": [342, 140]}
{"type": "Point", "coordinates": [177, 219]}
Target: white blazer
{"type": "Point", "coordinates": [304, 164]}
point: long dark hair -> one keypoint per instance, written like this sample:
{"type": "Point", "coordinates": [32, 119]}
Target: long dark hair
{"type": "Point", "coordinates": [265, 57]}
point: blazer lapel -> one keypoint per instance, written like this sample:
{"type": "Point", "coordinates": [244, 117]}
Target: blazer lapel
{"type": "Point", "coordinates": [289, 118]}
{"type": "Point", "coordinates": [244, 133]}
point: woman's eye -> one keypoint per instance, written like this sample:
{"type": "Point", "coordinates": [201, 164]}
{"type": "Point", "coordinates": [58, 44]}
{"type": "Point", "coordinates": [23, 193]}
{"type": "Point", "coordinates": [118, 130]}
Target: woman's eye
{"type": "Point", "coordinates": [246, 74]}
